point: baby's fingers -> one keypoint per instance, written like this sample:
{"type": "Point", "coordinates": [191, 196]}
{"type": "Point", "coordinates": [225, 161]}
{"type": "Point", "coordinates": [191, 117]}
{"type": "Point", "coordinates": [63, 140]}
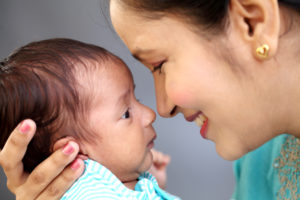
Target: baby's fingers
{"type": "Point", "coordinates": [160, 158]}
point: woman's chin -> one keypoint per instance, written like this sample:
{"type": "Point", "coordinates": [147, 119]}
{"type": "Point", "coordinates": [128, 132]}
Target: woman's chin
{"type": "Point", "coordinates": [229, 153]}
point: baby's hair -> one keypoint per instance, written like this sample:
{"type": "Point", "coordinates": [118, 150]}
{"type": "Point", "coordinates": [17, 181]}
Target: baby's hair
{"type": "Point", "coordinates": [40, 81]}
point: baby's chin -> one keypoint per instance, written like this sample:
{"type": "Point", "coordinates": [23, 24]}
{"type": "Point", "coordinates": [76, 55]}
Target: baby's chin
{"type": "Point", "coordinates": [148, 162]}
{"type": "Point", "coordinates": [149, 167]}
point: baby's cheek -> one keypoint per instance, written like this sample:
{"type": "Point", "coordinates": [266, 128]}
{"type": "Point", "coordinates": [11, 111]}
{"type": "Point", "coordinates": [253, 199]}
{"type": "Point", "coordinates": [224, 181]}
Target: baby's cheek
{"type": "Point", "coordinates": [180, 95]}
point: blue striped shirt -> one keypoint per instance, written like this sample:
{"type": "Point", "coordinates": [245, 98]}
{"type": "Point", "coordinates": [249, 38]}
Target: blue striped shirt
{"type": "Point", "coordinates": [97, 182]}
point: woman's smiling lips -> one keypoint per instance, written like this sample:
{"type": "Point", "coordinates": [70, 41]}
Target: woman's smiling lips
{"type": "Point", "coordinates": [193, 117]}
{"type": "Point", "coordinates": [201, 121]}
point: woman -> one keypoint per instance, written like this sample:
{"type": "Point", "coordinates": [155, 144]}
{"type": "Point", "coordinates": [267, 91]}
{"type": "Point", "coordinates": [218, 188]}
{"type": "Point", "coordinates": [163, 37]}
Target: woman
{"type": "Point", "coordinates": [232, 67]}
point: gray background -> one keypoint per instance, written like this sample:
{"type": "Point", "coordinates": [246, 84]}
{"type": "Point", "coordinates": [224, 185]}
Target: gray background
{"type": "Point", "coordinates": [196, 171]}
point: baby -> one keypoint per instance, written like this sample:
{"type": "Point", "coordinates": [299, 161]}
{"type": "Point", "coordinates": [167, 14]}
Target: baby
{"type": "Point", "coordinates": [78, 90]}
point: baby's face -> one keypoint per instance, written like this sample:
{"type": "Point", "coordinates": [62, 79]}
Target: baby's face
{"type": "Point", "coordinates": [123, 126]}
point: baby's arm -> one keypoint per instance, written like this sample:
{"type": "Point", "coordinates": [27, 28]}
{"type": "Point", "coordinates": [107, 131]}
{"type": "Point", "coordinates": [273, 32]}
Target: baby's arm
{"type": "Point", "coordinates": [50, 179]}
{"type": "Point", "coordinates": [159, 167]}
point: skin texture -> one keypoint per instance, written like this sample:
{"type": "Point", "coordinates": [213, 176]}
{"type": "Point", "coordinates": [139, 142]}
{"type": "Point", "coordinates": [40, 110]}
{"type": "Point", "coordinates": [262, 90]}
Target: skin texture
{"type": "Point", "coordinates": [247, 100]}
{"type": "Point", "coordinates": [219, 75]}
{"type": "Point", "coordinates": [122, 127]}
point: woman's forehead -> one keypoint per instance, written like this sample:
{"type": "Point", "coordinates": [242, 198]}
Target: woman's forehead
{"type": "Point", "coordinates": [140, 33]}
{"type": "Point", "coordinates": [125, 19]}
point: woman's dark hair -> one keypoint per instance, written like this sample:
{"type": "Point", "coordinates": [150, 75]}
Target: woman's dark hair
{"type": "Point", "coordinates": [39, 82]}
{"type": "Point", "coordinates": [210, 14]}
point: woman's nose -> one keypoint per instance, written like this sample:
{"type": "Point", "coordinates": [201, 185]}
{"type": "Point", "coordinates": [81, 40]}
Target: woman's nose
{"type": "Point", "coordinates": [165, 107]}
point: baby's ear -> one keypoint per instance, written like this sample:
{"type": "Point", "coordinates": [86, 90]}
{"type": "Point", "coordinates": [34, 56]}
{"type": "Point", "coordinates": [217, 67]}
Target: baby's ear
{"type": "Point", "coordinates": [62, 142]}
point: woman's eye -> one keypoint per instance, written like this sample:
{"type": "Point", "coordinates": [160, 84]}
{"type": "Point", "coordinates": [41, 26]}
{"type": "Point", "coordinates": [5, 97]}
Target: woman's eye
{"type": "Point", "coordinates": [158, 67]}
{"type": "Point", "coordinates": [126, 115]}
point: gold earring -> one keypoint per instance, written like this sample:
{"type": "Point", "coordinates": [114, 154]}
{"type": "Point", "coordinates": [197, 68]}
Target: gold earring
{"type": "Point", "coordinates": [263, 51]}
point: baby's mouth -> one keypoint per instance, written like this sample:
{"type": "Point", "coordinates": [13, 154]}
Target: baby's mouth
{"type": "Point", "coordinates": [151, 143]}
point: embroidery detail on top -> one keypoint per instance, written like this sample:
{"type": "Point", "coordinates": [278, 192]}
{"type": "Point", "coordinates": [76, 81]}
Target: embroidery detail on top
{"type": "Point", "coordinates": [288, 166]}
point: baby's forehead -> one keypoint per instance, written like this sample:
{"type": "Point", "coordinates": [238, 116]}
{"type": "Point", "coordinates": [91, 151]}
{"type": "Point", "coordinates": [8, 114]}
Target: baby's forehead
{"type": "Point", "coordinates": [94, 73]}
{"type": "Point", "coordinates": [98, 64]}
{"type": "Point", "coordinates": [114, 65]}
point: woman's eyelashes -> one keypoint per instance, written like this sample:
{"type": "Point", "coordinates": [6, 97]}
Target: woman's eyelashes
{"type": "Point", "coordinates": [158, 67]}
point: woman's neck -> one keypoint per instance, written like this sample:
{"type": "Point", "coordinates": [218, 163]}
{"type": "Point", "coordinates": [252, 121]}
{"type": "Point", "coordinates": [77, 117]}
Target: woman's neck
{"type": "Point", "coordinates": [288, 60]}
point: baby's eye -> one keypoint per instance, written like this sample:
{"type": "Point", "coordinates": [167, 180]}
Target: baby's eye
{"type": "Point", "coordinates": [126, 115]}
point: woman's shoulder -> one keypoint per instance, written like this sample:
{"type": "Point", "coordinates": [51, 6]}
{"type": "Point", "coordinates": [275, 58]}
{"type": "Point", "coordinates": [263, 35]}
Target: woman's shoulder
{"type": "Point", "coordinates": [269, 171]}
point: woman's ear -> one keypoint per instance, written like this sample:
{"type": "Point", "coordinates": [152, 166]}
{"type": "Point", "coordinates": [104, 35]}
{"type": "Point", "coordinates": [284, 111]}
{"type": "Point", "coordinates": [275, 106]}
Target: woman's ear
{"type": "Point", "coordinates": [258, 22]}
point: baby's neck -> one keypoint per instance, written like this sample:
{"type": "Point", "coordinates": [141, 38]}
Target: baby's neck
{"type": "Point", "coordinates": [130, 184]}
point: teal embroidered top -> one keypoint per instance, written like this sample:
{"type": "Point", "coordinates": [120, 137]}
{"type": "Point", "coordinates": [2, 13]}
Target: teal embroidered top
{"type": "Point", "coordinates": [271, 172]}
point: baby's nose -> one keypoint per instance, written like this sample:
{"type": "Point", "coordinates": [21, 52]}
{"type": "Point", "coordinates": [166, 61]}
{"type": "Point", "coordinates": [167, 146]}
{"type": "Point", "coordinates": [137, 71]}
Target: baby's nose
{"type": "Point", "coordinates": [149, 116]}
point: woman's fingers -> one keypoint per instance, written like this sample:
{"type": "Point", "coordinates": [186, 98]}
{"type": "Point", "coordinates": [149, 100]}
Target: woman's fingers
{"type": "Point", "coordinates": [51, 178]}
{"type": "Point", "coordinates": [13, 152]}
{"type": "Point", "coordinates": [62, 183]}
{"type": "Point", "coordinates": [43, 178]}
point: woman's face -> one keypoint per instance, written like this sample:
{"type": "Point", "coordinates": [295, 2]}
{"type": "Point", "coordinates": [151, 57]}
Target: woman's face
{"type": "Point", "coordinates": [198, 77]}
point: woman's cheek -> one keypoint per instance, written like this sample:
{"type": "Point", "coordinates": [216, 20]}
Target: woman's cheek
{"type": "Point", "coordinates": [180, 94]}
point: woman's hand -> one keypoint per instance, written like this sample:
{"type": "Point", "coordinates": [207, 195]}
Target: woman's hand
{"type": "Point", "coordinates": [50, 179]}
{"type": "Point", "coordinates": [159, 167]}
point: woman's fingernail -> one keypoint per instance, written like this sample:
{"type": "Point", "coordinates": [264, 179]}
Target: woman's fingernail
{"type": "Point", "coordinates": [68, 149]}
{"type": "Point", "coordinates": [24, 127]}
{"type": "Point", "coordinates": [75, 165]}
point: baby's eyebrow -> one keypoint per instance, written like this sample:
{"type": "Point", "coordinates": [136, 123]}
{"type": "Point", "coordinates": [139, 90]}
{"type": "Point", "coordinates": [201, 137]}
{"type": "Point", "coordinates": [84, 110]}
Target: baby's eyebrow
{"type": "Point", "coordinates": [123, 97]}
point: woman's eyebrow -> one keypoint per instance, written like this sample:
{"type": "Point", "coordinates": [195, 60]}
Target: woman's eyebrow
{"type": "Point", "coordinates": [137, 53]}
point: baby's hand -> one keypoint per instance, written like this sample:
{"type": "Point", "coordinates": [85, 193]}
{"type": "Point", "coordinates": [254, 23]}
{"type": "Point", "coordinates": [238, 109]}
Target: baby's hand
{"type": "Point", "coordinates": [159, 167]}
